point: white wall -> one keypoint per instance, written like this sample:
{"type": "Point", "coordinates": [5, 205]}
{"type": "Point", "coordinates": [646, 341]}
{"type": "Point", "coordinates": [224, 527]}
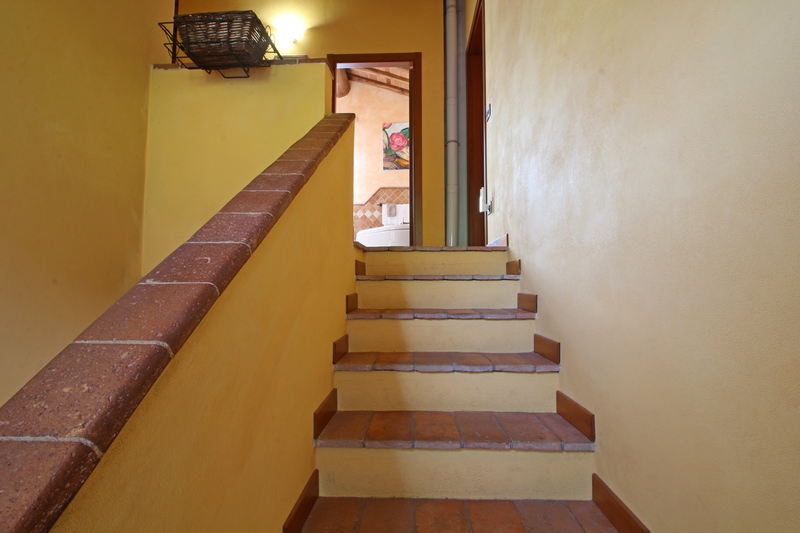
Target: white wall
{"type": "Point", "coordinates": [645, 160]}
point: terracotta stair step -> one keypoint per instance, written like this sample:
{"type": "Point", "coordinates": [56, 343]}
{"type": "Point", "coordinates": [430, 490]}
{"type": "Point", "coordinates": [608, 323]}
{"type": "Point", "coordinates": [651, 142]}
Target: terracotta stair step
{"type": "Point", "coordinates": [441, 314]}
{"type": "Point", "coordinates": [526, 362]}
{"type": "Point", "coordinates": [361, 515]}
{"type": "Point", "coordinates": [441, 277]}
{"type": "Point", "coordinates": [444, 430]}
{"type": "Point", "coordinates": [444, 249]}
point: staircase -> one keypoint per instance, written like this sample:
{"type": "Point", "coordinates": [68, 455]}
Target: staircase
{"type": "Point", "coordinates": [445, 406]}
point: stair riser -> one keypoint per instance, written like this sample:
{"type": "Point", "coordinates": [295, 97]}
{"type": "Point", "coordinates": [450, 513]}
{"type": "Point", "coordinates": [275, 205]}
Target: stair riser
{"type": "Point", "coordinates": [409, 263]}
{"type": "Point", "coordinates": [448, 294]}
{"type": "Point", "coordinates": [493, 336]}
{"type": "Point", "coordinates": [479, 474]}
{"type": "Point", "coordinates": [454, 391]}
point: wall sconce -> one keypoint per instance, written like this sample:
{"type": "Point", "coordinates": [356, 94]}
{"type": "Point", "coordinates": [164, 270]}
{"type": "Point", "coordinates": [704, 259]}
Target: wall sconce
{"type": "Point", "coordinates": [289, 29]}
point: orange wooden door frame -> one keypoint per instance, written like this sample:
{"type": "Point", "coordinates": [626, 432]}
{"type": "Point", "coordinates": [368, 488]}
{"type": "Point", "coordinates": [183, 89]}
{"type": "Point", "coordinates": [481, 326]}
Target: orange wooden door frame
{"type": "Point", "coordinates": [414, 62]}
{"type": "Point", "coordinates": [476, 129]}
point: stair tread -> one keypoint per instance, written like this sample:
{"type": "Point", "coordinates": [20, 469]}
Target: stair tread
{"type": "Point", "coordinates": [440, 277]}
{"type": "Point", "coordinates": [423, 515]}
{"type": "Point", "coordinates": [526, 362]}
{"type": "Point", "coordinates": [360, 246]}
{"type": "Point", "coordinates": [442, 314]}
{"type": "Point", "coordinates": [443, 430]}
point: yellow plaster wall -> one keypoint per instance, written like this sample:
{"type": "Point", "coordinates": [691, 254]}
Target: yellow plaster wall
{"type": "Point", "coordinates": [645, 160]}
{"type": "Point", "coordinates": [370, 26]}
{"type": "Point", "coordinates": [73, 127]}
{"type": "Point", "coordinates": [209, 136]}
{"type": "Point", "coordinates": [372, 107]}
{"type": "Point", "coordinates": [469, 16]}
{"type": "Point", "coordinates": [223, 441]}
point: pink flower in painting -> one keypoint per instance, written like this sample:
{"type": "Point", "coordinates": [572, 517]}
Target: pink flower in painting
{"type": "Point", "coordinates": [387, 125]}
{"type": "Point", "coordinates": [397, 141]}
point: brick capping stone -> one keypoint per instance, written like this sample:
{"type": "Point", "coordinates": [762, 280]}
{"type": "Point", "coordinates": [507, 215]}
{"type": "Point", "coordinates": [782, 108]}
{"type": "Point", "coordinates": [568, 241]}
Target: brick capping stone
{"type": "Point", "coordinates": [54, 431]}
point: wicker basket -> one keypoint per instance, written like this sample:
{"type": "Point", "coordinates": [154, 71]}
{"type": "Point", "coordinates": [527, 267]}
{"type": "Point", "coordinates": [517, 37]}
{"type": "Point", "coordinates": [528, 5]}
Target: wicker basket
{"type": "Point", "coordinates": [227, 39]}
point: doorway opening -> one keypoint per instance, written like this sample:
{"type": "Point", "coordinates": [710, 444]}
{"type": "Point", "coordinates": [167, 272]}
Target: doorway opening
{"type": "Point", "coordinates": [384, 91]}
{"type": "Point", "coordinates": [476, 129]}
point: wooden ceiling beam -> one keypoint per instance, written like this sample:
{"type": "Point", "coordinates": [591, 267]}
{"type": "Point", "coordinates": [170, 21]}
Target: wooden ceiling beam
{"type": "Point", "coordinates": [355, 78]}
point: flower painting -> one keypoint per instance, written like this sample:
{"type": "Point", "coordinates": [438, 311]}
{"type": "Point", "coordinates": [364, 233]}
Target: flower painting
{"type": "Point", "coordinates": [396, 148]}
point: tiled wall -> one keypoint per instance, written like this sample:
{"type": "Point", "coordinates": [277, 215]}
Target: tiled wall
{"type": "Point", "coordinates": [368, 215]}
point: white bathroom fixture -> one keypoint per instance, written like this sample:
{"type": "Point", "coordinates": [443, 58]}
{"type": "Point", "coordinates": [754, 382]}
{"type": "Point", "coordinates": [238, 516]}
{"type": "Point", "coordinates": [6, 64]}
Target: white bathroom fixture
{"type": "Point", "coordinates": [395, 229]}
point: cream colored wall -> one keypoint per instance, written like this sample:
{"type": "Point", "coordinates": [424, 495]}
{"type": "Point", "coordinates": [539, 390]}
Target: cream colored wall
{"type": "Point", "coordinates": [372, 107]}
{"type": "Point", "coordinates": [209, 136]}
{"type": "Point", "coordinates": [645, 160]}
{"type": "Point", "coordinates": [366, 26]}
{"type": "Point", "coordinates": [223, 441]}
{"type": "Point", "coordinates": [73, 129]}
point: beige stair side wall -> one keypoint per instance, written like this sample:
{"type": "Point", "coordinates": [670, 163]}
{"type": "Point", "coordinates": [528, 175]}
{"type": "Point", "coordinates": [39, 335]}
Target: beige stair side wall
{"type": "Point", "coordinates": [660, 225]}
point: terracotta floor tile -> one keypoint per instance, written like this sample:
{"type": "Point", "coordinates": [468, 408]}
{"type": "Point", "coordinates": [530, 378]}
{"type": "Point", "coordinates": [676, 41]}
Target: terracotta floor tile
{"type": "Point", "coordinates": [397, 314]}
{"type": "Point", "coordinates": [573, 440]}
{"type": "Point", "coordinates": [471, 362]}
{"type": "Point", "coordinates": [469, 314]}
{"type": "Point", "coordinates": [480, 429]}
{"type": "Point", "coordinates": [547, 516]}
{"type": "Point", "coordinates": [433, 362]}
{"type": "Point", "coordinates": [356, 362]}
{"type": "Point", "coordinates": [496, 314]}
{"type": "Point", "coordinates": [346, 429]}
{"type": "Point", "coordinates": [510, 362]}
{"type": "Point", "coordinates": [435, 430]}
{"type": "Point", "coordinates": [387, 516]}
{"type": "Point", "coordinates": [390, 429]}
{"type": "Point", "coordinates": [334, 515]}
{"type": "Point", "coordinates": [364, 314]}
{"type": "Point", "coordinates": [542, 364]}
{"type": "Point", "coordinates": [398, 361]}
{"type": "Point", "coordinates": [430, 314]}
{"type": "Point", "coordinates": [494, 516]}
{"type": "Point", "coordinates": [590, 517]}
{"type": "Point", "coordinates": [527, 432]}
{"type": "Point", "coordinates": [442, 516]}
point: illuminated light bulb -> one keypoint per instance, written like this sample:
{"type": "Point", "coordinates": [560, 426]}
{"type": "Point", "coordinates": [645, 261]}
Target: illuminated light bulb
{"type": "Point", "coordinates": [289, 29]}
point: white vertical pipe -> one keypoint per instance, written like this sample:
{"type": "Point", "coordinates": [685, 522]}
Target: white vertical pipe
{"type": "Point", "coordinates": [451, 121]}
